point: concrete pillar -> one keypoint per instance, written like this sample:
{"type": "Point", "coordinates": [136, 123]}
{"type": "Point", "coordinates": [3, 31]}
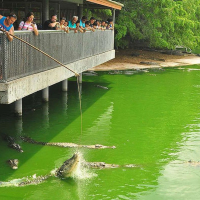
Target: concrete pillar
{"type": "Point", "coordinates": [45, 94]}
{"type": "Point", "coordinates": [18, 107]}
{"type": "Point", "coordinates": [26, 7]}
{"type": "Point", "coordinates": [65, 85]}
{"type": "Point", "coordinates": [80, 78]}
{"type": "Point", "coordinates": [87, 9]}
{"type": "Point", "coordinates": [45, 10]}
{"type": "Point", "coordinates": [80, 11]}
{"type": "Point", "coordinates": [59, 12]}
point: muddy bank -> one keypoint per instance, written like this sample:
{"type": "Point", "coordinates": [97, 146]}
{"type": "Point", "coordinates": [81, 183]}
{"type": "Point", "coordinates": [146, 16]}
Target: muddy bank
{"type": "Point", "coordinates": [140, 59]}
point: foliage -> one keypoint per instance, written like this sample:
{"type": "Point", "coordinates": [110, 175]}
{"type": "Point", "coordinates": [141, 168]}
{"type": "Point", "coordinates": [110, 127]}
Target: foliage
{"type": "Point", "coordinates": [160, 23]}
{"type": "Point", "coordinates": [100, 14]}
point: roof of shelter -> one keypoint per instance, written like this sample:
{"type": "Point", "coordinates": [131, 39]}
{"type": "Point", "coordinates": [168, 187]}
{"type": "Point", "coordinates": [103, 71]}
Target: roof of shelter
{"type": "Point", "coordinates": [107, 3]}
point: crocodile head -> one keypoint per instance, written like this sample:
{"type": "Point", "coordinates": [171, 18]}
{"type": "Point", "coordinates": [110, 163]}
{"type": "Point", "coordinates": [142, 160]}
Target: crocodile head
{"type": "Point", "coordinates": [13, 163]}
{"type": "Point", "coordinates": [69, 166]}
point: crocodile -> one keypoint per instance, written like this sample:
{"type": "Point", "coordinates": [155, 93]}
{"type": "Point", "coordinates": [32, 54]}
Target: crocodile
{"type": "Point", "coordinates": [103, 165]}
{"type": "Point", "coordinates": [65, 144]}
{"type": "Point", "coordinates": [13, 163]}
{"type": "Point", "coordinates": [11, 143]}
{"type": "Point", "coordinates": [68, 169]}
{"type": "Point", "coordinates": [193, 163]}
{"type": "Point", "coordinates": [69, 166]}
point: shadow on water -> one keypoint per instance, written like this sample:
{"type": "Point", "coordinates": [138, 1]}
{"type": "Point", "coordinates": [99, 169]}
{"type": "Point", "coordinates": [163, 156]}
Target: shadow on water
{"type": "Point", "coordinates": [61, 110]}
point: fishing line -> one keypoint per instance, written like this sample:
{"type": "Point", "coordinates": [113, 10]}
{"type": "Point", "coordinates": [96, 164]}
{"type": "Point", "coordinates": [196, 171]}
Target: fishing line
{"type": "Point", "coordinates": [79, 95]}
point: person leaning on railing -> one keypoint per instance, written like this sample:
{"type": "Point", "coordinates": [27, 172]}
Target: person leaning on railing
{"type": "Point", "coordinates": [92, 20]}
{"type": "Point", "coordinates": [88, 27]}
{"type": "Point", "coordinates": [82, 22]}
{"type": "Point", "coordinates": [78, 27]}
{"type": "Point", "coordinates": [103, 25]}
{"type": "Point", "coordinates": [29, 24]}
{"type": "Point", "coordinates": [110, 24]}
{"type": "Point", "coordinates": [6, 24]}
{"type": "Point", "coordinates": [66, 26]}
{"type": "Point", "coordinates": [51, 23]}
{"type": "Point", "coordinates": [72, 24]}
{"type": "Point", "coordinates": [62, 25]}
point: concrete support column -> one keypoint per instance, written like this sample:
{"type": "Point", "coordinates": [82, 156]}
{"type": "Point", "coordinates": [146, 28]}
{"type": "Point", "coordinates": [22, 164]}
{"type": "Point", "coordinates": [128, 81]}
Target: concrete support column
{"type": "Point", "coordinates": [45, 10]}
{"type": "Point", "coordinates": [65, 85]}
{"type": "Point", "coordinates": [45, 94]}
{"type": "Point", "coordinates": [80, 11]}
{"type": "Point", "coordinates": [26, 7]}
{"type": "Point", "coordinates": [80, 78]}
{"type": "Point", "coordinates": [18, 107]}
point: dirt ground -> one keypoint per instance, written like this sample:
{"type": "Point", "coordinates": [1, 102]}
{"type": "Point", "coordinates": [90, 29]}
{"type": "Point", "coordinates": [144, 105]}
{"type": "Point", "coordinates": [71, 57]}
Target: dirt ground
{"type": "Point", "coordinates": [140, 59]}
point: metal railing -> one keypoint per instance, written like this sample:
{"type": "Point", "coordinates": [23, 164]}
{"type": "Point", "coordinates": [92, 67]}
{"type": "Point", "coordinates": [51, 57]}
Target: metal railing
{"type": "Point", "coordinates": [19, 60]}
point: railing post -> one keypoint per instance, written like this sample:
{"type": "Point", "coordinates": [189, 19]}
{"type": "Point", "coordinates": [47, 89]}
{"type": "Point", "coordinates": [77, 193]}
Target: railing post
{"type": "Point", "coordinates": [113, 13]}
{"type": "Point", "coordinates": [45, 94]}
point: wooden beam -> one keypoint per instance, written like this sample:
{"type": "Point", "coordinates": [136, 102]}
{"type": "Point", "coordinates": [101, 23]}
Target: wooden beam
{"type": "Point", "coordinates": [106, 3]}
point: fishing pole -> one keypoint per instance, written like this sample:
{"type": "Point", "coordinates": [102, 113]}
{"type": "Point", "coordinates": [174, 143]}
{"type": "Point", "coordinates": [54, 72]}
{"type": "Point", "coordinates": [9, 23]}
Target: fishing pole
{"type": "Point", "coordinates": [76, 74]}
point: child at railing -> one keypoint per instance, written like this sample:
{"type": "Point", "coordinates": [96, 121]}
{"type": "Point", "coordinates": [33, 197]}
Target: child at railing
{"type": "Point", "coordinates": [88, 27]}
{"type": "Point", "coordinates": [78, 28]}
{"type": "Point", "coordinates": [62, 25]}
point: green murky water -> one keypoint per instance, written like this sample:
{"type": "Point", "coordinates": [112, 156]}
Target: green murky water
{"type": "Point", "coordinates": [153, 118]}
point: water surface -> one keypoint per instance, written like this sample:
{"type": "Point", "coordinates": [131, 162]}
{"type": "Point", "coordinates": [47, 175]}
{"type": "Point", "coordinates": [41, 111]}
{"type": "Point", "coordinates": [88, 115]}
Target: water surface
{"type": "Point", "coordinates": [151, 117]}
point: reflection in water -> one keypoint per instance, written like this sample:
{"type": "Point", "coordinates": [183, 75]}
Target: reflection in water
{"type": "Point", "coordinates": [181, 178]}
{"type": "Point", "coordinates": [45, 114]}
{"type": "Point", "coordinates": [18, 126]}
{"type": "Point", "coordinates": [103, 123]}
{"type": "Point", "coordinates": [64, 103]}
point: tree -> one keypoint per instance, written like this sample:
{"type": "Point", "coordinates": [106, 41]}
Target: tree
{"type": "Point", "coordinates": [160, 23]}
